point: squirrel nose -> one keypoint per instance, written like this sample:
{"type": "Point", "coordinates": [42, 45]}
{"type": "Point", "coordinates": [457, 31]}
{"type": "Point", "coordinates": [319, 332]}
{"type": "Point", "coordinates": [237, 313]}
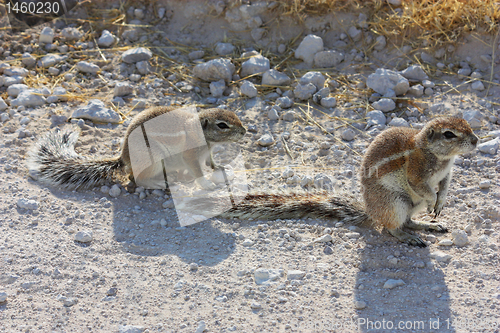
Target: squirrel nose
{"type": "Point", "coordinates": [474, 140]}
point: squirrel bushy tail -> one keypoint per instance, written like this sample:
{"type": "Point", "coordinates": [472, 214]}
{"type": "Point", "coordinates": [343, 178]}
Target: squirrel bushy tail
{"type": "Point", "coordinates": [298, 205]}
{"type": "Point", "coordinates": [53, 161]}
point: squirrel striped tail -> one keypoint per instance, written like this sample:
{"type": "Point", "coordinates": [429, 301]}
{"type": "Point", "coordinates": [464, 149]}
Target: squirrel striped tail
{"type": "Point", "coordinates": [53, 161]}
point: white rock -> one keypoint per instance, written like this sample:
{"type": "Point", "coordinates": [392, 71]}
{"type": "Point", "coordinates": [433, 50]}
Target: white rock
{"type": "Point", "coordinates": [273, 114]}
{"type": "Point", "coordinates": [53, 71]}
{"type": "Point", "coordinates": [4, 117]}
{"type": "Point", "coordinates": [398, 122]}
{"type": "Point", "coordinates": [460, 237]}
{"type": "Point", "coordinates": [202, 327]}
{"type": "Point", "coordinates": [348, 134]}
{"type": "Point", "coordinates": [440, 256]}
{"type": "Point", "coordinates": [3, 297]}
{"type": "Point", "coordinates": [274, 78]}
{"type": "Point", "coordinates": [416, 90]}
{"type": "Point", "coordinates": [380, 43]}
{"type": "Point", "coordinates": [130, 329]}
{"type": "Point", "coordinates": [396, 3]}
{"type": "Point", "coordinates": [328, 59]}
{"type": "Point", "coordinates": [390, 284]}
{"type": "Point", "coordinates": [247, 243]}
{"type": "Point", "coordinates": [328, 102]}
{"type": "Point", "coordinates": [71, 33]}
{"type": "Point", "coordinates": [315, 78]}
{"type": "Point", "coordinates": [223, 49]}
{"type": "Point", "coordinates": [114, 191]}
{"type": "Point", "coordinates": [489, 147]}
{"type": "Point", "coordinates": [107, 39]}
{"type": "Point", "coordinates": [28, 98]}
{"type": "Point", "coordinates": [310, 45]}
{"type": "Point", "coordinates": [168, 204]}
{"type": "Point", "coordinates": [255, 65]}
{"type": "Point", "coordinates": [10, 80]}
{"type": "Point", "coordinates": [264, 276]}
{"type": "Point", "coordinates": [248, 89]}
{"type": "Point", "coordinates": [15, 89]}
{"type": "Point", "coordinates": [143, 67]}
{"type": "Point", "coordinates": [414, 72]}
{"type": "Point", "coordinates": [304, 91]}
{"type": "Point", "coordinates": [359, 305]}
{"type": "Point", "coordinates": [295, 275]}
{"type": "Point", "coordinates": [354, 33]}
{"type": "Point", "coordinates": [265, 140]}
{"type": "Point", "coordinates": [16, 71]}
{"type": "Point", "coordinates": [136, 54]}
{"type": "Point", "coordinates": [445, 242]}
{"type": "Point", "coordinates": [217, 88]}
{"type": "Point", "coordinates": [95, 110]}
{"type": "Point", "coordinates": [28, 204]}
{"type": "Point", "coordinates": [477, 85]}
{"type": "Point", "coordinates": [353, 235]}
{"type": "Point", "coordinates": [28, 60]}
{"type": "Point", "coordinates": [198, 54]}
{"type": "Point", "coordinates": [284, 102]}
{"type": "Point", "coordinates": [87, 67]}
{"type": "Point", "coordinates": [46, 36]}
{"type": "Point", "coordinates": [3, 105]}
{"type": "Point", "coordinates": [375, 117]}
{"type": "Point", "coordinates": [484, 184]}
{"type": "Point", "coordinates": [256, 306]}
{"type": "Point", "coordinates": [214, 70]}
{"type": "Point", "coordinates": [83, 236]}
{"type": "Point", "coordinates": [123, 89]}
{"type": "Point", "coordinates": [60, 93]}
{"type": "Point", "coordinates": [384, 105]}
{"type": "Point", "coordinates": [384, 80]}
{"type": "Point", "coordinates": [323, 239]}
{"type": "Point", "coordinates": [51, 60]}
{"type": "Point", "coordinates": [139, 13]}
{"type": "Point", "coordinates": [473, 117]}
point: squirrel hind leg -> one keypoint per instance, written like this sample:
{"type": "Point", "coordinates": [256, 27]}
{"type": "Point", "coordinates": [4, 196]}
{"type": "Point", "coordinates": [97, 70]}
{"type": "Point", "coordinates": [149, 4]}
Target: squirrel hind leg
{"type": "Point", "coordinates": [405, 237]}
{"type": "Point", "coordinates": [427, 226]}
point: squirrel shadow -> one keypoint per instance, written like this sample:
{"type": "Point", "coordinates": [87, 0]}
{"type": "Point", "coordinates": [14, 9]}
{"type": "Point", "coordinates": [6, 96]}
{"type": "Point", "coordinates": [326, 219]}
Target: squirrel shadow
{"type": "Point", "coordinates": [422, 303]}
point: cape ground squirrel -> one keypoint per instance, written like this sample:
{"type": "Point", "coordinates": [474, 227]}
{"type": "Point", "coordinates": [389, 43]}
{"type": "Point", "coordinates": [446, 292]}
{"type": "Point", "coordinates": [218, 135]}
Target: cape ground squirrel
{"type": "Point", "coordinates": [403, 171]}
{"type": "Point", "coordinates": [54, 161]}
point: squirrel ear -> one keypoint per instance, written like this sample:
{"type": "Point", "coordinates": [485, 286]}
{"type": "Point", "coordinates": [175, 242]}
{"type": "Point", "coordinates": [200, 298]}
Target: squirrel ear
{"type": "Point", "coordinates": [204, 124]}
{"type": "Point", "coordinates": [431, 134]}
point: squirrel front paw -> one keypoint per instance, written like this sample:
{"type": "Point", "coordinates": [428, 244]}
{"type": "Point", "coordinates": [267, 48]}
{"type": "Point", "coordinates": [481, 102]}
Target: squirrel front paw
{"type": "Point", "coordinates": [438, 207]}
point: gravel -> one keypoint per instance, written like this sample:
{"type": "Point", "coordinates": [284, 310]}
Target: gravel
{"type": "Point", "coordinates": [308, 47]}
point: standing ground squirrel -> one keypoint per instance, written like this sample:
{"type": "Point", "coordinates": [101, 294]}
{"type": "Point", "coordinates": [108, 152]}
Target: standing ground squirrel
{"type": "Point", "coordinates": [403, 171]}
{"type": "Point", "coordinates": [53, 159]}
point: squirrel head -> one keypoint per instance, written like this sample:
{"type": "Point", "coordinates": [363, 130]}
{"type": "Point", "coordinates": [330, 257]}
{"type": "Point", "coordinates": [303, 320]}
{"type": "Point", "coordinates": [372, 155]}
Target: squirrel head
{"type": "Point", "coordinates": [446, 137]}
{"type": "Point", "coordinates": [221, 126]}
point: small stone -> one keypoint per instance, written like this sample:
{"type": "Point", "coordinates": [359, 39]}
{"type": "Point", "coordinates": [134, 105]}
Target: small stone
{"type": "Point", "coordinates": [115, 191]}
{"type": "Point", "coordinates": [328, 102]}
{"type": "Point", "coordinates": [295, 275]}
{"type": "Point", "coordinates": [136, 54]}
{"type": "Point", "coordinates": [323, 239]}
{"type": "Point", "coordinates": [380, 43]}
{"type": "Point", "coordinates": [217, 88]}
{"type": "Point", "coordinates": [107, 39]}
{"type": "Point", "coordinates": [3, 105]}
{"type": "Point", "coordinates": [445, 242]}
{"type": "Point", "coordinates": [384, 80]}
{"type": "Point", "coordinates": [440, 256]}
{"type": "Point", "coordinates": [255, 65]}
{"type": "Point", "coordinates": [28, 204]}
{"type": "Point", "coordinates": [315, 78]}
{"type": "Point", "coordinates": [15, 89]}
{"type": "Point", "coordinates": [265, 140]}
{"type": "Point", "coordinates": [477, 85]}
{"type": "Point", "coordinates": [130, 329]}
{"type": "Point", "coordinates": [139, 13]}
{"type": "Point", "coordinates": [105, 189]}
{"type": "Point", "coordinates": [489, 147]}
{"type": "Point", "coordinates": [16, 71]}
{"type": "Point", "coordinates": [46, 36]}
{"type": "Point", "coordinates": [95, 110]}
{"type": "Point", "coordinates": [384, 105]}
{"type": "Point", "coordinates": [484, 184]}
{"type": "Point", "coordinates": [464, 71]}
{"type": "Point", "coordinates": [354, 33]}
{"type": "Point", "coordinates": [289, 116]}
{"type": "Point", "coordinates": [310, 45]}
{"type": "Point", "coordinates": [398, 122]}
{"type": "Point", "coordinates": [273, 114]}
{"type": "Point", "coordinates": [390, 284]}
{"type": "Point", "coordinates": [256, 306]}
{"type": "Point", "coordinates": [375, 117]}
{"type": "Point", "coordinates": [71, 33]}
{"type": "Point", "coordinates": [415, 73]}
{"type": "Point", "coordinates": [264, 276]}
{"type": "Point", "coordinates": [194, 55]}
{"type": "Point", "coordinates": [123, 89]}
{"type": "Point", "coordinates": [214, 70]}
{"type": "Point", "coordinates": [284, 102]}
{"type": "Point", "coordinates": [169, 204]}
{"type": "Point", "coordinates": [223, 49]}
{"type": "Point", "coordinates": [111, 291]}
{"type": "Point", "coordinates": [83, 236]}
{"type": "Point", "coordinates": [87, 67]}
{"type": "Point", "coordinates": [328, 59]}
{"type": "Point", "coordinates": [274, 78]}
{"type": "Point", "coordinates": [460, 237]}
{"type": "Point", "coordinates": [359, 305]}
{"type": "Point", "coordinates": [328, 250]}
{"type": "Point", "coordinates": [304, 91]}
{"type": "Point", "coordinates": [28, 98]}
{"type": "Point", "coordinates": [53, 71]}
{"type": "Point", "coordinates": [3, 297]}
{"type": "Point", "coordinates": [416, 90]}
{"type": "Point", "coordinates": [348, 134]}
{"type": "Point", "coordinates": [247, 243]}
{"type": "Point", "coordinates": [51, 60]}
{"type": "Point", "coordinates": [353, 235]}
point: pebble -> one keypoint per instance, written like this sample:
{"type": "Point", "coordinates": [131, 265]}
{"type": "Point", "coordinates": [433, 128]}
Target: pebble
{"type": "Point", "coordinates": [198, 54]}
{"type": "Point", "coordinates": [484, 184]}
{"type": "Point", "coordinates": [295, 275]}
{"type": "Point", "coordinates": [3, 297]}
{"type": "Point", "coordinates": [440, 256]}
{"type": "Point", "coordinates": [53, 71]}
{"type": "Point", "coordinates": [284, 102]}
{"type": "Point", "coordinates": [107, 39]}
{"type": "Point", "coordinates": [348, 134]}
{"type": "Point", "coordinates": [256, 306]}
{"type": "Point", "coordinates": [114, 191]}
{"type": "Point", "coordinates": [384, 105]}
{"type": "Point", "coordinates": [398, 122]}
{"type": "Point", "coordinates": [130, 329]}
{"type": "Point", "coordinates": [473, 117]}
{"type": "Point", "coordinates": [460, 237]}
{"type": "Point", "coordinates": [264, 276]}
{"type": "Point", "coordinates": [28, 98]}
{"type": "Point", "coordinates": [28, 204]}
{"type": "Point", "coordinates": [247, 242]}
{"type": "Point", "coordinates": [353, 235]}
{"type": "Point", "coordinates": [273, 114]}
{"type": "Point", "coordinates": [123, 89]}
{"type": "Point", "coordinates": [289, 116]}
{"type": "Point", "coordinates": [315, 78]}
{"type": "Point", "coordinates": [46, 36]}
{"type": "Point", "coordinates": [275, 78]}
{"type": "Point", "coordinates": [380, 43]}
{"type": "Point", "coordinates": [168, 204]}
{"type": "Point", "coordinates": [111, 291]}
{"type": "Point", "coordinates": [310, 45]}
{"type": "Point", "coordinates": [51, 60]}
{"type": "Point", "coordinates": [95, 110]}
{"type": "Point", "coordinates": [214, 70]}
{"type": "Point", "coordinates": [489, 147]}
{"type": "Point", "coordinates": [139, 13]}
{"type": "Point", "coordinates": [193, 266]}
{"type": "Point", "coordinates": [328, 250]}
{"type": "Point", "coordinates": [416, 90]}
{"type": "Point", "coordinates": [217, 88]}
{"type": "Point", "coordinates": [87, 67]}
{"type": "Point", "coordinates": [328, 102]}
{"type": "Point", "coordinates": [223, 49]}
{"type": "Point", "coordinates": [354, 33]}
{"type": "Point", "coordinates": [384, 80]}
{"type": "Point", "coordinates": [255, 65]}
{"type": "Point", "coordinates": [445, 242]}
{"type": "Point", "coordinates": [3, 105]}
{"type": "Point", "coordinates": [83, 236]}
{"type": "Point", "coordinates": [304, 91]}
{"type": "Point", "coordinates": [477, 85]}
{"type": "Point", "coordinates": [16, 71]}
{"type": "Point", "coordinates": [328, 59]}
{"type": "Point", "coordinates": [136, 54]}
{"type": "Point", "coordinates": [415, 73]}
{"type": "Point", "coordinates": [323, 239]}
{"type": "Point", "coordinates": [15, 89]}
{"type": "Point", "coordinates": [265, 140]}
{"type": "Point", "coordinates": [143, 67]}
{"type": "Point", "coordinates": [375, 117]}
{"type": "Point", "coordinates": [390, 284]}
{"type": "Point", "coordinates": [71, 33]}
{"type": "Point", "coordinates": [359, 305]}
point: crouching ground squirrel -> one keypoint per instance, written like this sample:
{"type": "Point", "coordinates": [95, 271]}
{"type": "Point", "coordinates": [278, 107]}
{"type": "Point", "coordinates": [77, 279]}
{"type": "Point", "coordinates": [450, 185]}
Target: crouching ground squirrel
{"type": "Point", "coordinates": [404, 171]}
{"type": "Point", "coordinates": [53, 159]}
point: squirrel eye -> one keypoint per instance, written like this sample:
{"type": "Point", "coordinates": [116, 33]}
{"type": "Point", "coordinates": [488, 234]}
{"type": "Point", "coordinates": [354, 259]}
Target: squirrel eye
{"type": "Point", "coordinates": [449, 135]}
{"type": "Point", "coordinates": [222, 125]}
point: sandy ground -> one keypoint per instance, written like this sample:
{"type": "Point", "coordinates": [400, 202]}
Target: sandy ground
{"type": "Point", "coordinates": [142, 274]}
